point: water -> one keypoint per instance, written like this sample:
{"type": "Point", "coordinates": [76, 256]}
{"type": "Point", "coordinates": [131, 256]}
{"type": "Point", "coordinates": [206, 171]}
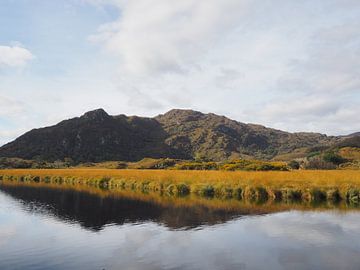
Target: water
{"type": "Point", "coordinates": [45, 228]}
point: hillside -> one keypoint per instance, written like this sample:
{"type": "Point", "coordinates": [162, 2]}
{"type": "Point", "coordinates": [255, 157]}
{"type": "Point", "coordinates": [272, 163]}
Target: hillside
{"type": "Point", "coordinates": [183, 134]}
{"type": "Point", "coordinates": [354, 134]}
{"type": "Point", "coordinates": [95, 136]}
{"type": "Point", "coordinates": [218, 137]}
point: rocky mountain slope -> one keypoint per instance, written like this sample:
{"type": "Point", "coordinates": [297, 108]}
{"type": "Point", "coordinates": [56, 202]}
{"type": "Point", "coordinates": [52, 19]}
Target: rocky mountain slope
{"type": "Point", "coordinates": [183, 134]}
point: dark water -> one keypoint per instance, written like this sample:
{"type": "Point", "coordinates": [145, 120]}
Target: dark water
{"type": "Point", "coordinates": [43, 228]}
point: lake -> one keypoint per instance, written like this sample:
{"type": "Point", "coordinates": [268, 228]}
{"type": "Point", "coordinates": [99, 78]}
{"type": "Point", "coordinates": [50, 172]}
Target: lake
{"type": "Point", "coordinates": [49, 228]}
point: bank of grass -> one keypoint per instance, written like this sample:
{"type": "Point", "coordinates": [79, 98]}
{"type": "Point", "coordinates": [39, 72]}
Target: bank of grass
{"type": "Point", "coordinates": [218, 204]}
{"type": "Point", "coordinates": [334, 185]}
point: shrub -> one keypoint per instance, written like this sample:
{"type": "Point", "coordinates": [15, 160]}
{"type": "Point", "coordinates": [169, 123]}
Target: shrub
{"type": "Point", "coordinates": [238, 193]}
{"type": "Point", "coordinates": [295, 165]}
{"type": "Point", "coordinates": [319, 164]}
{"type": "Point", "coordinates": [197, 166]}
{"type": "Point", "coordinates": [205, 190]}
{"type": "Point", "coordinates": [121, 165]}
{"type": "Point", "coordinates": [250, 193]}
{"type": "Point", "coordinates": [223, 191]}
{"type": "Point", "coordinates": [333, 195]}
{"type": "Point", "coordinates": [262, 194]}
{"type": "Point", "coordinates": [333, 158]}
{"type": "Point", "coordinates": [353, 196]}
{"type": "Point", "coordinates": [104, 182]}
{"type": "Point", "coordinates": [182, 189]}
{"type": "Point", "coordinates": [318, 195]}
{"type": "Point", "coordinates": [276, 194]}
{"type": "Point", "coordinates": [254, 165]}
{"type": "Point", "coordinates": [290, 194]}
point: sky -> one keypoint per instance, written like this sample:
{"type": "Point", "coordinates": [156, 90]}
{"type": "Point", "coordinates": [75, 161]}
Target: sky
{"type": "Point", "coordinates": [290, 65]}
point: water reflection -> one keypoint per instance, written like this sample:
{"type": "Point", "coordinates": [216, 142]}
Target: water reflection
{"type": "Point", "coordinates": [53, 229]}
{"type": "Point", "coordinates": [94, 212]}
{"type": "Point", "coordinates": [94, 208]}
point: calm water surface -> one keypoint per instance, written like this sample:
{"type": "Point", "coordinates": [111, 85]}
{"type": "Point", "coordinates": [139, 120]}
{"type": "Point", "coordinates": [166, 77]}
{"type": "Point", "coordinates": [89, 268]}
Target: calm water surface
{"type": "Point", "coordinates": [43, 228]}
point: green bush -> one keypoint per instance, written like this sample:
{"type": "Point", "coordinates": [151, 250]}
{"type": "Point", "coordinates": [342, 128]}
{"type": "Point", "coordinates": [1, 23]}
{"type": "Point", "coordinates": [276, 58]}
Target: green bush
{"type": "Point", "coordinates": [353, 196]}
{"type": "Point", "coordinates": [182, 189]}
{"type": "Point", "coordinates": [333, 158]}
{"type": "Point", "coordinates": [254, 165]}
{"type": "Point", "coordinates": [318, 195]}
{"type": "Point", "coordinates": [197, 166]}
{"type": "Point", "coordinates": [333, 195]}
{"type": "Point", "coordinates": [295, 165]}
{"type": "Point", "coordinates": [318, 163]}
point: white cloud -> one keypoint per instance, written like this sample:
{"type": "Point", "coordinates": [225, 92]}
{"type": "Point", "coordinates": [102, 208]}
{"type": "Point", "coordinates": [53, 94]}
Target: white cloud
{"type": "Point", "coordinates": [289, 65]}
{"type": "Point", "coordinates": [315, 112]}
{"type": "Point", "coordinates": [14, 56]}
{"type": "Point", "coordinates": [9, 106]}
{"type": "Point", "coordinates": [332, 63]}
{"type": "Point", "coordinates": [320, 92]}
{"type": "Point", "coordinates": [167, 36]}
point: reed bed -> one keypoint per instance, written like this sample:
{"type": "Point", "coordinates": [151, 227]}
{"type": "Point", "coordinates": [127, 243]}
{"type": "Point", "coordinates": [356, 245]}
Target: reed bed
{"type": "Point", "coordinates": [334, 185]}
{"type": "Point", "coordinates": [191, 201]}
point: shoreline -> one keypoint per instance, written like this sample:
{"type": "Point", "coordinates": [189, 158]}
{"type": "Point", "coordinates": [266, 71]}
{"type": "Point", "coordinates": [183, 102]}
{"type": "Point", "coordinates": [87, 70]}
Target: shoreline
{"type": "Point", "coordinates": [293, 186]}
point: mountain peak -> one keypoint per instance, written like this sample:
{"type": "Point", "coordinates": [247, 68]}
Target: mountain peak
{"type": "Point", "coordinates": [181, 115]}
{"type": "Point", "coordinates": [183, 134]}
{"type": "Point", "coordinates": [98, 114]}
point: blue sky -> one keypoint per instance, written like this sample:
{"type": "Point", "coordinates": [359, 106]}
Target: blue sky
{"type": "Point", "coordinates": [292, 65]}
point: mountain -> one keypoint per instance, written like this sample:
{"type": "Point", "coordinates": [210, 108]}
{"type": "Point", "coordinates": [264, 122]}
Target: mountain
{"type": "Point", "coordinates": [95, 136]}
{"type": "Point", "coordinates": [182, 134]}
{"type": "Point", "coordinates": [351, 141]}
{"type": "Point", "coordinates": [354, 134]}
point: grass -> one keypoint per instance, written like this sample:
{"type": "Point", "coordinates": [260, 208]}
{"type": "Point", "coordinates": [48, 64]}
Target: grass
{"type": "Point", "coordinates": [352, 153]}
{"type": "Point", "coordinates": [272, 185]}
{"type": "Point", "coordinates": [191, 201]}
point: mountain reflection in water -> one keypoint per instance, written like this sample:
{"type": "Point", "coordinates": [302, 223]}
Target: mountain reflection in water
{"type": "Point", "coordinates": [44, 227]}
{"type": "Point", "coordinates": [94, 212]}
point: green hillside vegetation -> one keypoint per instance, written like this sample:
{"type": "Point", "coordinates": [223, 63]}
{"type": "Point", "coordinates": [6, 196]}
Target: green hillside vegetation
{"type": "Point", "coordinates": [352, 156]}
{"type": "Point", "coordinates": [150, 163]}
{"type": "Point", "coordinates": [18, 163]}
{"type": "Point", "coordinates": [329, 159]}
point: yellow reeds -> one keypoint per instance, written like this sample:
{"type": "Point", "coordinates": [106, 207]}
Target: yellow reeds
{"type": "Point", "coordinates": [293, 185]}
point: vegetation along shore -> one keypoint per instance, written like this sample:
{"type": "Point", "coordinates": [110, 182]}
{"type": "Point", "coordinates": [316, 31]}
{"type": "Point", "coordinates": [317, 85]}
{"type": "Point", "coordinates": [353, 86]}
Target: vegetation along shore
{"type": "Point", "coordinates": [300, 185]}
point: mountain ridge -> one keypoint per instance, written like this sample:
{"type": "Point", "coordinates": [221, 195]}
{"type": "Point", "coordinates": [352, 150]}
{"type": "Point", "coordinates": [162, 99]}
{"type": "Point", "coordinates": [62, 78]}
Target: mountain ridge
{"type": "Point", "coordinates": [354, 134]}
{"type": "Point", "coordinates": [183, 134]}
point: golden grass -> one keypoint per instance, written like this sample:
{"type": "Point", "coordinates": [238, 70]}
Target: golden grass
{"type": "Point", "coordinates": [233, 205]}
{"type": "Point", "coordinates": [297, 153]}
{"type": "Point", "coordinates": [208, 183]}
{"type": "Point", "coordinates": [301, 178]}
{"type": "Point", "coordinates": [351, 153]}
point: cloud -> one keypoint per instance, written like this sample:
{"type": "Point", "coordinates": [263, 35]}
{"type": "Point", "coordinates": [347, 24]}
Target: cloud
{"type": "Point", "coordinates": [288, 65]}
{"type": "Point", "coordinates": [14, 56]}
{"type": "Point", "coordinates": [161, 36]}
{"type": "Point", "coordinates": [309, 106]}
{"type": "Point", "coordinates": [9, 106]}
{"type": "Point", "coordinates": [319, 89]}
{"type": "Point", "coordinates": [11, 113]}
{"type": "Point", "coordinates": [327, 114]}
{"type": "Point", "coordinates": [291, 65]}
{"type": "Point", "coordinates": [332, 62]}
